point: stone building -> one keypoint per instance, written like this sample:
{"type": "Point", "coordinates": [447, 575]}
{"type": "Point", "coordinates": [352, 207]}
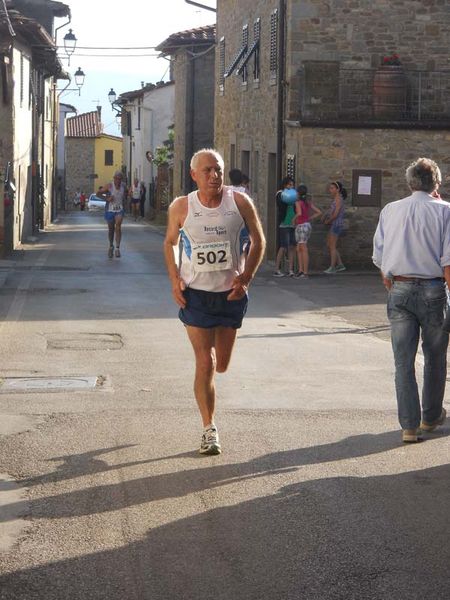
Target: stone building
{"type": "Point", "coordinates": [29, 68]}
{"type": "Point", "coordinates": [192, 55]}
{"type": "Point", "coordinates": [314, 89]}
{"type": "Point", "coordinates": [92, 156]}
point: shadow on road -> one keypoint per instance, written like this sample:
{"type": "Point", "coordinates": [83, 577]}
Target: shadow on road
{"type": "Point", "coordinates": [341, 538]}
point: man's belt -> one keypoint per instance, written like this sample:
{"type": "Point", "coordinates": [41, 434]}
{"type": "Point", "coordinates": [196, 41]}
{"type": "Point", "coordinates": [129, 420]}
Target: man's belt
{"type": "Point", "coordinates": [416, 279]}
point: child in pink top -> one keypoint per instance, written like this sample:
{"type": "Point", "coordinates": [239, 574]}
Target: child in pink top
{"type": "Point", "coordinates": [305, 211]}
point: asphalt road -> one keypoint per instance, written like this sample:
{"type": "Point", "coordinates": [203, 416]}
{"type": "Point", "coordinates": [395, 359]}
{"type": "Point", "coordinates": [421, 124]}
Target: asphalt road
{"type": "Point", "coordinates": [103, 493]}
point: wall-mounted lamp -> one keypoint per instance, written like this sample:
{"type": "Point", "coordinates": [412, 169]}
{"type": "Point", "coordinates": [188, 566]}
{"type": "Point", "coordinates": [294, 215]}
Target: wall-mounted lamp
{"type": "Point", "coordinates": [112, 97]}
{"type": "Point", "coordinates": [79, 82]}
{"type": "Point", "coordinates": [79, 79]}
{"type": "Point", "coordinates": [70, 42]}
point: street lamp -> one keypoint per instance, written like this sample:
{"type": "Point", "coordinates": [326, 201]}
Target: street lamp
{"type": "Point", "coordinates": [79, 79]}
{"type": "Point", "coordinates": [79, 82]}
{"type": "Point", "coordinates": [112, 97]}
{"type": "Point", "coordinates": [70, 41]}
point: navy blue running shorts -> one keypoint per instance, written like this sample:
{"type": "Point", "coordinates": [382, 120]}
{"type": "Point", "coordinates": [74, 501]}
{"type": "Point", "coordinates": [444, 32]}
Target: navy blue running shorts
{"type": "Point", "coordinates": [212, 309]}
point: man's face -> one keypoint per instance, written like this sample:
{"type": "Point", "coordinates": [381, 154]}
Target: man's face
{"type": "Point", "coordinates": [208, 174]}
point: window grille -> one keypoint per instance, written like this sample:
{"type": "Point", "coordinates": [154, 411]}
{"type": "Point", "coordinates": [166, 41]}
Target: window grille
{"type": "Point", "coordinates": [290, 166]}
{"type": "Point", "coordinates": [221, 62]}
{"type": "Point", "coordinates": [273, 60]}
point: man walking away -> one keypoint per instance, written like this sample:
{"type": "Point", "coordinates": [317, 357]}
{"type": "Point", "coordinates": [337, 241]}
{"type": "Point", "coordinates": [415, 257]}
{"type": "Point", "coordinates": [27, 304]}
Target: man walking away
{"type": "Point", "coordinates": [412, 249]}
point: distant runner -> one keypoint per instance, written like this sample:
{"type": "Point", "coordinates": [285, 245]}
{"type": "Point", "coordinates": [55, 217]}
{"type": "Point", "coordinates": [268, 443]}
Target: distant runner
{"type": "Point", "coordinates": [212, 282]}
{"type": "Point", "coordinates": [114, 194]}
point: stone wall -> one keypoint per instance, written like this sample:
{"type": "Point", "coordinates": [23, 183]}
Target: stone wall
{"type": "Point", "coordinates": [325, 155]}
{"type": "Point", "coordinates": [80, 163]}
{"type": "Point", "coordinates": [359, 33]}
{"type": "Point", "coordinates": [246, 113]}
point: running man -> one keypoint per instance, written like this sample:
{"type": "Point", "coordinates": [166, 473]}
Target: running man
{"type": "Point", "coordinates": [211, 284]}
{"type": "Point", "coordinates": [135, 199]}
{"type": "Point", "coordinates": [114, 194]}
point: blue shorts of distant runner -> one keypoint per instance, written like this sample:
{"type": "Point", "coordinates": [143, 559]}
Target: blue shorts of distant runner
{"type": "Point", "coordinates": [110, 216]}
{"type": "Point", "coordinates": [212, 309]}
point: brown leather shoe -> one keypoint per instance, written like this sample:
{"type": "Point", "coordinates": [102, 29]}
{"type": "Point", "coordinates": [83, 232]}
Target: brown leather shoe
{"type": "Point", "coordinates": [411, 436]}
{"type": "Point", "coordinates": [432, 426]}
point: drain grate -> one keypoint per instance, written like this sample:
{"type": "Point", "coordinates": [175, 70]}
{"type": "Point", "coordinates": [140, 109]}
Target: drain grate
{"type": "Point", "coordinates": [84, 341]}
{"type": "Point", "coordinates": [49, 384]}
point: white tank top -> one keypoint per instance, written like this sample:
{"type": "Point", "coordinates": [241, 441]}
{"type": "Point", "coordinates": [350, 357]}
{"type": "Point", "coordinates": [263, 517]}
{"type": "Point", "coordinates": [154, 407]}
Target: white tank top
{"type": "Point", "coordinates": [212, 240]}
{"type": "Point", "coordinates": [118, 196]}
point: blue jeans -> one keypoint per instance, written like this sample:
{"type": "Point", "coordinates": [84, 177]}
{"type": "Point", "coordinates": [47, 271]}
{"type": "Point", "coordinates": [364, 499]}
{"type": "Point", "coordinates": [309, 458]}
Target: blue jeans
{"type": "Point", "coordinates": [414, 308]}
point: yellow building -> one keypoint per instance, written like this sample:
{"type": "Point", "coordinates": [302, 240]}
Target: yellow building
{"type": "Point", "coordinates": [107, 157]}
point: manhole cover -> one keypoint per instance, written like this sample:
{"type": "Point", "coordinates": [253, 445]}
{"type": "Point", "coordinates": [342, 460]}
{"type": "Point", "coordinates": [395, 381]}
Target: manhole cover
{"type": "Point", "coordinates": [84, 341]}
{"type": "Point", "coordinates": [48, 384]}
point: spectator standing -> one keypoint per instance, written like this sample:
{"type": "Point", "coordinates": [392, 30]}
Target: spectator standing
{"type": "Point", "coordinates": [135, 198]}
{"type": "Point", "coordinates": [236, 179]}
{"type": "Point", "coordinates": [285, 220]}
{"type": "Point", "coordinates": [411, 247]}
{"type": "Point", "coordinates": [142, 199]}
{"type": "Point", "coordinates": [305, 212]}
{"type": "Point", "coordinates": [335, 219]}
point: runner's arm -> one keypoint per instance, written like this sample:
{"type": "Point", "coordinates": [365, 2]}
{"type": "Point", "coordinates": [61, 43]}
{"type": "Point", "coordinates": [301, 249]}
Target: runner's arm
{"type": "Point", "coordinates": [257, 246]}
{"type": "Point", "coordinates": [176, 211]}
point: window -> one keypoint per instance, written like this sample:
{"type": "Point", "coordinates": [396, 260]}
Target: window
{"type": "Point", "coordinates": [273, 60]}
{"type": "Point", "coordinates": [240, 54]}
{"type": "Point", "coordinates": [243, 70]}
{"type": "Point", "coordinates": [221, 63]}
{"type": "Point", "coordinates": [252, 51]}
{"type": "Point", "coordinates": [256, 37]}
{"type": "Point", "coordinates": [109, 158]}
{"type": "Point", "coordinates": [139, 110]}
{"type": "Point", "coordinates": [290, 166]}
{"type": "Point", "coordinates": [245, 162]}
{"type": "Point", "coordinates": [255, 172]}
{"type": "Point", "coordinates": [232, 156]}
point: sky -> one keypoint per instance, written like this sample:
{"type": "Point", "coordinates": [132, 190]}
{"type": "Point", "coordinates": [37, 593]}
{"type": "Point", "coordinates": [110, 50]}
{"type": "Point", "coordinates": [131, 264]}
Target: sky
{"type": "Point", "coordinates": [137, 23]}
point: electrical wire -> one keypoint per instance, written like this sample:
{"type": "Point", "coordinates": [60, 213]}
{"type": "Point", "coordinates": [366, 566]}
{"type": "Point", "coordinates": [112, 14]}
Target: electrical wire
{"type": "Point", "coordinates": [112, 47]}
{"type": "Point", "coordinates": [114, 55]}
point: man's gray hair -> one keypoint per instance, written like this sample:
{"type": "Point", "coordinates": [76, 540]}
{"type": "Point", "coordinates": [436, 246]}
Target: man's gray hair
{"type": "Point", "coordinates": [194, 159]}
{"type": "Point", "coordinates": [423, 175]}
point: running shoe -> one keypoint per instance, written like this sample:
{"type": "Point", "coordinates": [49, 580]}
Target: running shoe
{"type": "Point", "coordinates": [111, 252]}
{"type": "Point", "coordinates": [298, 274]}
{"type": "Point", "coordinates": [340, 267]}
{"type": "Point", "coordinates": [117, 253]}
{"type": "Point", "coordinates": [330, 271]}
{"type": "Point", "coordinates": [291, 273]}
{"type": "Point", "coordinates": [210, 441]}
{"type": "Point", "coordinates": [432, 426]}
{"type": "Point", "coordinates": [278, 273]}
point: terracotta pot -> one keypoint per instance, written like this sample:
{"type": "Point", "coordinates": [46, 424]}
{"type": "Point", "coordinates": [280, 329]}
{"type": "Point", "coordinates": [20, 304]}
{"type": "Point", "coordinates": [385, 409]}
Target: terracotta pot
{"type": "Point", "coordinates": [389, 91]}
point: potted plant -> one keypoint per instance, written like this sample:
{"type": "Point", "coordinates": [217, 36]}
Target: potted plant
{"type": "Point", "coordinates": [389, 88]}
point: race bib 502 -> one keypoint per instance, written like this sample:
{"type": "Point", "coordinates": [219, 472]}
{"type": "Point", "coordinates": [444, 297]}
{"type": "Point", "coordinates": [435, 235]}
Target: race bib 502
{"type": "Point", "coordinates": [212, 256]}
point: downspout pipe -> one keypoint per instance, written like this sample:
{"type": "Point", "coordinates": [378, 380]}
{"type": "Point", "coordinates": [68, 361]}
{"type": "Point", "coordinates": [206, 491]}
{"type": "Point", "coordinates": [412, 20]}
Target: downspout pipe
{"type": "Point", "coordinates": [281, 87]}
